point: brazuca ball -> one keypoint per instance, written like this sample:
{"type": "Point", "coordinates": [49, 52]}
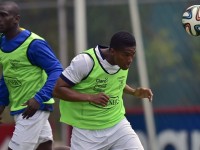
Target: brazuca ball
{"type": "Point", "coordinates": [191, 20]}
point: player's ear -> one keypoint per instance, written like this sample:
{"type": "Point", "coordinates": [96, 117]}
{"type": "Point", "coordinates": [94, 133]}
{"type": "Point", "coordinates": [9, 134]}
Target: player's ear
{"type": "Point", "coordinates": [112, 50]}
{"type": "Point", "coordinates": [17, 19]}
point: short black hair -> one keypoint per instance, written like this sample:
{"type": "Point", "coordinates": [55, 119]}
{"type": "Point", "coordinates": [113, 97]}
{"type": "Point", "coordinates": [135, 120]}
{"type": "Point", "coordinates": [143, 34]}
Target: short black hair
{"type": "Point", "coordinates": [121, 40]}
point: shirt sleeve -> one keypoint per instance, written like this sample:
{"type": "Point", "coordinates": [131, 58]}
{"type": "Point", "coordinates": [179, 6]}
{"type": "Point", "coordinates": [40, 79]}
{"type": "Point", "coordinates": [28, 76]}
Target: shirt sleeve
{"type": "Point", "coordinates": [4, 94]}
{"type": "Point", "coordinates": [78, 69]}
{"type": "Point", "coordinates": [41, 55]}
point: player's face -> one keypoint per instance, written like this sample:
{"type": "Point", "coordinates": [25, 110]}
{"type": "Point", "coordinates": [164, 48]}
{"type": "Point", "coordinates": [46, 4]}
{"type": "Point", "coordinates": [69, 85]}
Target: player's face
{"type": "Point", "coordinates": [8, 21]}
{"type": "Point", "coordinates": [123, 58]}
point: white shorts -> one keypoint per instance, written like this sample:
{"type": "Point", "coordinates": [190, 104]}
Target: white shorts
{"type": "Point", "coordinates": [29, 133]}
{"type": "Point", "coordinates": [118, 137]}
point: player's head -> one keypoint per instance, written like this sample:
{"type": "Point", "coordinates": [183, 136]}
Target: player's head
{"type": "Point", "coordinates": [123, 49]}
{"type": "Point", "coordinates": [9, 16]}
{"type": "Point", "coordinates": [121, 40]}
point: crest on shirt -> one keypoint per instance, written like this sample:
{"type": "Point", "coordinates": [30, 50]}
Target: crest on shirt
{"type": "Point", "coordinates": [14, 64]}
{"type": "Point", "coordinates": [100, 84]}
{"type": "Point", "coordinates": [13, 82]}
{"type": "Point", "coordinates": [121, 81]}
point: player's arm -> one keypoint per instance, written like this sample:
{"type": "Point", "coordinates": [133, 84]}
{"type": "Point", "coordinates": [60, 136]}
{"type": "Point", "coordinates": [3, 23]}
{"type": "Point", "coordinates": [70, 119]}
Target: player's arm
{"type": "Point", "coordinates": [40, 54]}
{"type": "Point", "coordinates": [139, 92]}
{"type": "Point", "coordinates": [62, 90]}
{"type": "Point", "coordinates": [73, 74]}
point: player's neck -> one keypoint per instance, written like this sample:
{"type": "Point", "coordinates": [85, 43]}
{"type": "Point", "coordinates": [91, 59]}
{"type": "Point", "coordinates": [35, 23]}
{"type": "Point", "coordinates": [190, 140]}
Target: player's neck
{"type": "Point", "coordinates": [108, 55]}
{"type": "Point", "coordinates": [12, 33]}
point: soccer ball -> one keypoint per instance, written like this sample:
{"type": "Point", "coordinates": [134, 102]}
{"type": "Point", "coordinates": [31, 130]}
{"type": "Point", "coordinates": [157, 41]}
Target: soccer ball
{"type": "Point", "coordinates": [191, 20]}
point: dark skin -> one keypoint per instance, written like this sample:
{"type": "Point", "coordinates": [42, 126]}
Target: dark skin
{"type": "Point", "coordinates": [9, 26]}
{"type": "Point", "coordinates": [9, 20]}
{"type": "Point", "coordinates": [123, 59]}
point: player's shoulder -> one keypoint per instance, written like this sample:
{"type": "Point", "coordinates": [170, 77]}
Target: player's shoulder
{"type": "Point", "coordinates": [25, 32]}
{"type": "Point", "coordinates": [83, 58]}
{"type": "Point", "coordinates": [30, 34]}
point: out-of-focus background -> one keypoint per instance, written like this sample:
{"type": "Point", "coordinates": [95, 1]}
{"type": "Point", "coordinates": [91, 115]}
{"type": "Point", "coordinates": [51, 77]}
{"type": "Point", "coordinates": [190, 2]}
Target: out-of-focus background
{"type": "Point", "coordinates": [167, 61]}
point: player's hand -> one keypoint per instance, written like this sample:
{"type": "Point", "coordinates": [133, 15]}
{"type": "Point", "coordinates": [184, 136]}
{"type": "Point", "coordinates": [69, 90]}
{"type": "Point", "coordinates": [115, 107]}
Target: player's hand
{"type": "Point", "coordinates": [144, 93]}
{"type": "Point", "coordinates": [100, 99]}
{"type": "Point", "coordinates": [32, 107]}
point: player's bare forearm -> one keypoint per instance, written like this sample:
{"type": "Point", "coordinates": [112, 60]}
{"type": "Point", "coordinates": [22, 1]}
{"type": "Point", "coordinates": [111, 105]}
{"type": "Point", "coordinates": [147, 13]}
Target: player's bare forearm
{"type": "Point", "coordinates": [64, 91]}
{"type": "Point", "coordinates": [139, 92]}
{"type": "Point", "coordinates": [69, 94]}
{"type": "Point", "coordinates": [129, 90]}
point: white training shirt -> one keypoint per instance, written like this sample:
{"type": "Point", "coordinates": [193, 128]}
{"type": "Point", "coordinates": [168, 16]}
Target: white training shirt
{"type": "Point", "coordinates": [81, 65]}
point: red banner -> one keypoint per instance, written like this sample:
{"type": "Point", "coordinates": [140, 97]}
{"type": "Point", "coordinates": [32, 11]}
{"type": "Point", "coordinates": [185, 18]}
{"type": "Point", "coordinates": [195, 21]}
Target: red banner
{"type": "Point", "coordinates": [6, 131]}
